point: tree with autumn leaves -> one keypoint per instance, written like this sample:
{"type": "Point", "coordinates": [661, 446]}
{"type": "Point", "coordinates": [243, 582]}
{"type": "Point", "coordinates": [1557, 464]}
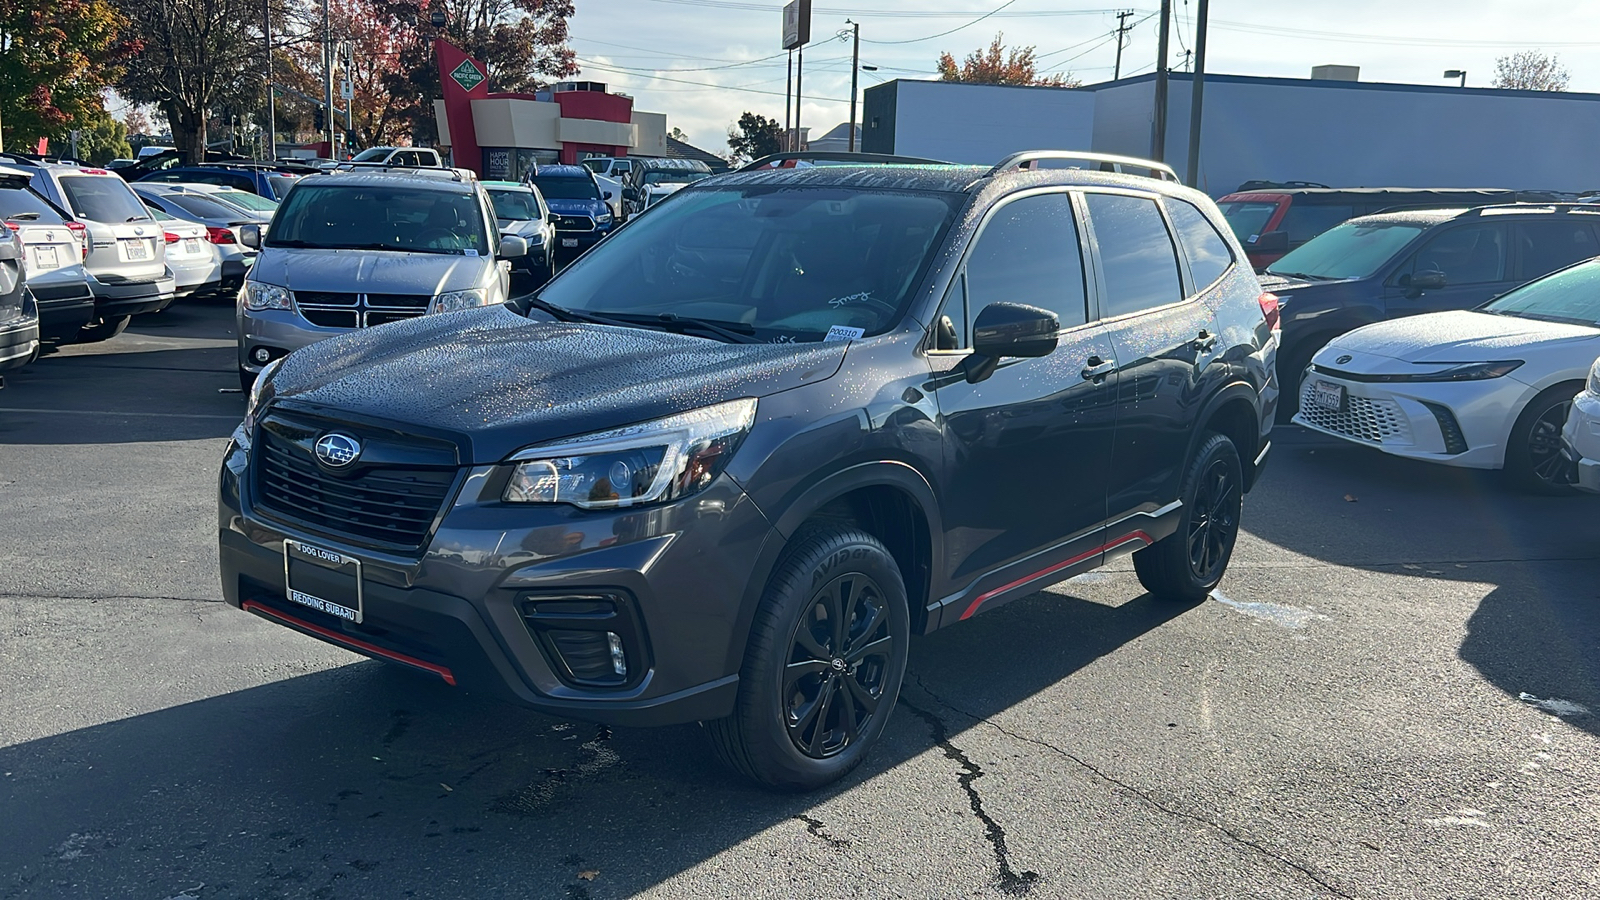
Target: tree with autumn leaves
{"type": "Point", "coordinates": [56, 58]}
{"type": "Point", "coordinates": [997, 65]}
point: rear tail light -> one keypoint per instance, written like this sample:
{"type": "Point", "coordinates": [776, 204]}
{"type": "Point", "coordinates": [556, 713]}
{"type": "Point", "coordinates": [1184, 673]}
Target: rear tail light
{"type": "Point", "coordinates": [1269, 309]}
{"type": "Point", "coordinates": [81, 232]}
{"type": "Point", "coordinates": [219, 235]}
{"type": "Point", "coordinates": [172, 238]}
{"type": "Point", "coordinates": [13, 226]}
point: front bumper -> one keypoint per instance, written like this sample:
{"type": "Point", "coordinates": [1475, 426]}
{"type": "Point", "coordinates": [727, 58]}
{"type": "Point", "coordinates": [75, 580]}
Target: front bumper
{"type": "Point", "coordinates": [281, 331]}
{"type": "Point", "coordinates": [459, 609]}
{"type": "Point", "coordinates": [1463, 424]}
{"type": "Point", "coordinates": [1581, 435]}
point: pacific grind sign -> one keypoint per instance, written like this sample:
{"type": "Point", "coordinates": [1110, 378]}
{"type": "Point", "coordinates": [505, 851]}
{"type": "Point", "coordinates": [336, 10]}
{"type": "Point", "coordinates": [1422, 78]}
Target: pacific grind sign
{"type": "Point", "coordinates": [796, 24]}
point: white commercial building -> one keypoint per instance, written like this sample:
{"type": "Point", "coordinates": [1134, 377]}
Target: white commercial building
{"type": "Point", "coordinates": [1342, 133]}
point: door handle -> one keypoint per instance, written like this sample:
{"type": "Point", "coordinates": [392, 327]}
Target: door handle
{"type": "Point", "coordinates": [1096, 367]}
{"type": "Point", "coordinates": [1205, 341]}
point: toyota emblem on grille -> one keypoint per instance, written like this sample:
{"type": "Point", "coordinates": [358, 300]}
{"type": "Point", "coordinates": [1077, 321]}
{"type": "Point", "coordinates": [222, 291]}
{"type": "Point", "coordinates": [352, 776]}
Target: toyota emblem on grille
{"type": "Point", "coordinates": [1343, 359]}
{"type": "Point", "coordinates": [337, 450]}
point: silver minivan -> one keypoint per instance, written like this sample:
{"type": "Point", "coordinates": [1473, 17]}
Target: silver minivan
{"type": "Point", "coordinates": [358, 249]}
{"type": "Point", "coordinates": [127, 248]}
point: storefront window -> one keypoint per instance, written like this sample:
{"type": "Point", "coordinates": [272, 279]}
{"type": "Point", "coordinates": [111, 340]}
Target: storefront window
{"type": "Point", "coordinates": [514, 163]}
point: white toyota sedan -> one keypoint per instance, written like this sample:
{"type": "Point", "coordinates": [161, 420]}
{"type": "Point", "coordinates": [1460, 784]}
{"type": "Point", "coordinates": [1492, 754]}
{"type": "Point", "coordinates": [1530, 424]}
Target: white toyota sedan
{"type": "Point", "coordinates": [1582, 434]}
{"type": "Point", "coordinates": [1487, 388]}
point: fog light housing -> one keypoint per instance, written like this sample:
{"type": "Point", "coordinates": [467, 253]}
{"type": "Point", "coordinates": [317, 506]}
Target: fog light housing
{"type": "Point", "coordinates": [261, 355]}
{"type": "Point", "coordinates": [590, 640]}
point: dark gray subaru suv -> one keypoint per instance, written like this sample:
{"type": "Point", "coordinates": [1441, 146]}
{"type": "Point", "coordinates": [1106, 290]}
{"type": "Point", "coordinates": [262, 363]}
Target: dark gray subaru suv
{"type": "Point", "coordinates": [727, 463]}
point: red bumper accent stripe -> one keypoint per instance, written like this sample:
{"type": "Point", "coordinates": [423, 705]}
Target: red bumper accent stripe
{"type": "Point", "coordinates": [346, 640]}
{"type": "Point", "coordinates": [986, 596]}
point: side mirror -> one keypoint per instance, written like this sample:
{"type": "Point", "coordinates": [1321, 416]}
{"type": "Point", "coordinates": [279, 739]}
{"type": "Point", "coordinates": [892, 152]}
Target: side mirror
{"type": "Point", "coordinates": [250, 236]}
{"type": "Point", "coordinates": [607, 195]}
{"type": "Point", "coordinates": [1416, 284]}
{"type": "Point", "coordinates": [630, 194]}
{"type": "Point", "coordinates": [513, 246]}
{"type": "Point", "coordinates": [1271, 242]}
{"type": "Point", "coordinates": [1012, 330]}
{"type": "Point", "coordinates": [554, 218]}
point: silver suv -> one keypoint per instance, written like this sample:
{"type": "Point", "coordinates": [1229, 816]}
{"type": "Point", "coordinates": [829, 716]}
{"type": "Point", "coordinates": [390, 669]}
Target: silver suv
{"type": "Point", "coordinates": [127, 248]}
{"type": "Point", "coordinates": [351, 250]}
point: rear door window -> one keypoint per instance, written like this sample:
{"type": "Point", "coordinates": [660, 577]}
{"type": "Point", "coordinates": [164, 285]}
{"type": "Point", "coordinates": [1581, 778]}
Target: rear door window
{"type": "Point", "coordinates": [102, 198]}
{"type": "Point", "coordinates": [1546, 246]}
{"type": "Point", "coordinates": [1466, 254]}
{"type": "Point", "coordinates": [1137, 258]}
{"type": "Point", "coordinates": [1208, 254]}
{"type": "Point", "coordinates": [23, 205]}
{"type": "Point", "coordinates": [1028, 252]}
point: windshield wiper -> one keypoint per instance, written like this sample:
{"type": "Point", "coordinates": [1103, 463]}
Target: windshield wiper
{"type": "Point", "coordinates": [23, 217]}
{"type": "Point", "coordinates": [1305, 275]}
{"type": "Point", "coordinates": [683, 323]}
{"type": "Point", "coordinates": [1542, 317]}
{"type": "Point", "coordinates": [570, 315]}
{"type": "Point", "coordinates": [294, 244]}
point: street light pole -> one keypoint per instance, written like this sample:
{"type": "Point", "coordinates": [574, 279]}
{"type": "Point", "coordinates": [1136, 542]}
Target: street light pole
{"type": "Point", "coordinates": [788, 106]}
{"type": "Point", "coordinates": [272, 96]}
{"type": "Point", "coordinates": [327, 78]}
{"type": "Point", "coordinates": [1457, 73]}
{"type": "Point", "coordinates": [1197, 99]}
{"type": "Point", "coordinates": [855, 68]}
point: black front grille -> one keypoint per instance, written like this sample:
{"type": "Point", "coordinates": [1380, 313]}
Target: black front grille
{"type": "Point", "coordinates": [399, 301]}
{"type": "Point", "coordinates": [390, 504]}
{"type": "Point", "coordinates": [325, 298]}
{"type": "Point", "coordinates": [574, 223]}
{"type": "Point", "coordinates": [329, 309]}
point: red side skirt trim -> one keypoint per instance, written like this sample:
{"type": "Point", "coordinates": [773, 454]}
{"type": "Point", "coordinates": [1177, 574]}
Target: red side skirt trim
{"type": "Point", "coordinates": [986, 596]}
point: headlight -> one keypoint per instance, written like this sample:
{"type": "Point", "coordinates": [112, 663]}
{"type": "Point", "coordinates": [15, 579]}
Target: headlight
{"type": "Point", "coordinates": [1594, 378]}
{"type": "Point", "coordinates": [534, 239]}
{"type": "Point", "coordinates": [1466, 372]}
{"type": "Point", "coordinates": [254, 400]}
{"type": "Point", "coordinates": [603, 219]}
{"type": "Point", "coordinates": [267, 296]}
{"type": "Point", "coordinates": [450, 301]}
{"type": "Point", "coordinates": [651, 462]}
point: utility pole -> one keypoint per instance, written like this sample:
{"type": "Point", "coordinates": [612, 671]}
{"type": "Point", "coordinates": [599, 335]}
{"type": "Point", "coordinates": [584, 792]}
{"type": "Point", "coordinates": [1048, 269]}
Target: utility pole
{"type": "Point", "coordinates": [327, 78]}
{"type": "Point", "coordinates": [272, 94]}
{"type": "Point", "coordinates": [855, 69]}
{"type": "Point", "coordinates": [788, 106]}
{"type": "Point", "coordinates": [1158, 138]}
{"type": "Point", "coordinates": [1122, 29]}
{"type": "Point", "coordinates": [1197, 99]}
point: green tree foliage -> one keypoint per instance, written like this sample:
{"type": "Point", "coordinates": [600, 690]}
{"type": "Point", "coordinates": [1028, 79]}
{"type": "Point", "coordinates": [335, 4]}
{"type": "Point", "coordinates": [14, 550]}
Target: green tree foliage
{"type": "Point", "coordinates": [754, 136]}
{"type": "Point", "coordinates": [56, 56]}
{"type": "Point", "coordinates": [101, 138]}
{"type": "Point", "coordinates": [997, 65]}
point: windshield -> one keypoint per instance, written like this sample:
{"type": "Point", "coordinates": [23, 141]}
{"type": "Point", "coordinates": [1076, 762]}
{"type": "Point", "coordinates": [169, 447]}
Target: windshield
{"type": "Point", "coordinates": [779, 264]}
{"type": "Point", "coordinates": [246, 200]}
{"type": "Point", "coordinates": [365, 217]}
{"type": "Point", "coordinates": [24, 204]}
{"type": "Point", "coordinates": [674, 177]}
{"type": "Point", "coordinates": [281, 184]}
{"type": "Point", "coordinates": [1352, 250]}
{"type": "Point", "coordinates": [595, 165]}
{"type": "Point", "coordinates": [1248, 218]}
{"type": "Point", "coordinates": [517, 205]}
{"type": "Point", "coordinates": [371, 154]}
{"type": "Point", "coordinates": [102, 198]}
{"type": "Point", "coordinates": [1570, 295]}
{"type": "Point", "coordinates": [555, 188]}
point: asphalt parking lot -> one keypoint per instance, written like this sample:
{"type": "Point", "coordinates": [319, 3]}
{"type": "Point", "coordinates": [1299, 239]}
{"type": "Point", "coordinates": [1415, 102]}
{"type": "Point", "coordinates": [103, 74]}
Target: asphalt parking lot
{"type": "Point", "coordinates": [1388, 698]}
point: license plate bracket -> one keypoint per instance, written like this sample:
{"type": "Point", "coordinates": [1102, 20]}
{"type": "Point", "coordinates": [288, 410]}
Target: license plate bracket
{"type": "Point", "coordinates": [1327, 395]}
{"type": "Point", "coordinates": [569, 242]}
{"type": "Point", "coordinates": [47, 257]}
{"type": "Point", "coordinates": [324, 580]}
{"type": "Point", "coordinates": [136, 249]}
{"type": "Point", "coordinates": [191, 245]}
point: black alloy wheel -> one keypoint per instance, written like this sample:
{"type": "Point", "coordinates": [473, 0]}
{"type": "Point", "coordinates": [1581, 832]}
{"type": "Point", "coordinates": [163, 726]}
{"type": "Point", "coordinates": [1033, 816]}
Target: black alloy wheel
{"type": "Point", "coordinates": [1214, 521]}
{"type": "Point", "coordinates": [838, 666]}
{"type": "Point", "coordinates": [1544, 444]}
{"type": "Point", "coordinates": [1535, 460]}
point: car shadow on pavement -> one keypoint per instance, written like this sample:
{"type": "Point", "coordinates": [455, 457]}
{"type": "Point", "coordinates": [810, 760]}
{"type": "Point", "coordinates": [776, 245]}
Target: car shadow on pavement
{"type": "Point", "coordinates": [1535, 635]}
{"type": "Point", "coordinates": [371, 781]}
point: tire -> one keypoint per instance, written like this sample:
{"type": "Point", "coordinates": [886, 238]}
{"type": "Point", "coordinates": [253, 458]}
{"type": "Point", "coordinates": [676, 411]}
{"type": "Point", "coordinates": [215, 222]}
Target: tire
{"type": "Point", "coordinates": [787, 729]}
{"type": "Point", "coordinates": [1187, 564]}
{"type": "Point", "coordinates": [104, 330]}
{"type": "Point", "coordinates": [1533, 451]}
{"type": "Point", "coordinates": [247, 380]}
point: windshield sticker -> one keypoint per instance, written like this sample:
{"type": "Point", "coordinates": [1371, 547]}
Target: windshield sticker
{"type": "Point", "coordinates": [843, 333]}
{"type": "Point", "coordinates": [1252, 238]}
{"type": "Point", "coordinates": [785, 339]}
{"type": "Point", "coordinates": [861, 297]}
{"type": "Point", "coordinates": [470, 252]}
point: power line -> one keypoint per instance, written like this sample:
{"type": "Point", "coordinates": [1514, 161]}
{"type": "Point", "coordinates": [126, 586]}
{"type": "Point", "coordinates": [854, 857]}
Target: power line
{"type": "Point", "coordinates": [953, 30]}
{"type": "Point", "coordinates": [745, 5]}
{"type": "Point", "coordinates": [604, 68]}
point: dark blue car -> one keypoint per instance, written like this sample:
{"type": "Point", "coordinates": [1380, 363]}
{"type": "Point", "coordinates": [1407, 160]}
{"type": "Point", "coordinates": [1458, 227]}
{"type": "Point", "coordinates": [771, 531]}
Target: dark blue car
{"type": "Point", "coordinates": [572, 193]}
{"type": "Point", "coordinates": [1422, 261]}
{"type": "Point", "coordinates": [269, 181]}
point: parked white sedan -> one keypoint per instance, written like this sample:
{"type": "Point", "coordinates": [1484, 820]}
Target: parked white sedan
{"type": "Point", "coordinates": [1582, 434]}
{"type": "Point", "coordinates": [1487, 388]}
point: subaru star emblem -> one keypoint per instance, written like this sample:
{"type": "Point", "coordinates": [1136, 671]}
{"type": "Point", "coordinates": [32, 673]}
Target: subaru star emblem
{"type": "Point", "coordinates": [1343, 359]}
{"type": "Point", "coordinates": [138, 231]}
{"type": "Point", "coordinates": [337, 450]}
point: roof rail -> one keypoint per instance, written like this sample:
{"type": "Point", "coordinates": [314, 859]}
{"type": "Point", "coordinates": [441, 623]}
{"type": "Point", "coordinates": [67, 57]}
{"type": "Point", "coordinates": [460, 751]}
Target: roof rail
{"type": "Point", "coordinates": [388, 169]}
{"type": "Point", "coordinates": [1531, 207]}
{"type": "Point", "coordinates": [777, 160]}
{"type": "Point", "coordinates": [1105, 162]}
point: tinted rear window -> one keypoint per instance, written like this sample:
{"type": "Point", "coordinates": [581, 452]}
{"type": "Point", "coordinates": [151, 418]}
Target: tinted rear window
{"type": "Point", "coordinates": [1136, 254]}
{"type": "Point", "coordinates": [202, 207]}
{"type": "Point", "coordinates": [1247, 219]}
{"type": "Point", "coordinates": [567, 188]}
{"type": "Point", "coordinates": [102, 198]}
{"type": "Point", "coordinates": [14, 203]}
{"type": "Point", "coordinates": [1207, 252]}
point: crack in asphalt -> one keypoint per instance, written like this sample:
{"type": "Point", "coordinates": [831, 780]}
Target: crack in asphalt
{"type": "Point", "coordinates": [1129, 789]}
{"type": "Point", "coordinates": [1008, 880]}
{"type": "Point", "coordinates": [819, 831]}
{"type": "Point", "coordinates": [24, 595]}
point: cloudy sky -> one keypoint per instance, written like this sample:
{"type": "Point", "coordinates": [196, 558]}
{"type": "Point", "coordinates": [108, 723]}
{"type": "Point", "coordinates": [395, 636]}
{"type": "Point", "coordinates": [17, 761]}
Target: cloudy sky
{"type": "Point", "coordinates": [703, 62]}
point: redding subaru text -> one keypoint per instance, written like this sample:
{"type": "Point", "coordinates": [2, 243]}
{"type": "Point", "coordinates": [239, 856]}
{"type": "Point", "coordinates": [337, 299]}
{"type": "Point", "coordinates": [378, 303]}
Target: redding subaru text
{"type": "Point", "coordinates": [727, 463]}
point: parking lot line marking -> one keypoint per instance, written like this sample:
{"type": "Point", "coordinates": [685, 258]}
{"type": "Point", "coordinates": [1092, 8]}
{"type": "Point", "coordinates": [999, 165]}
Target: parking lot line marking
{"type": "Point", "coordinates": [129, 415]}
